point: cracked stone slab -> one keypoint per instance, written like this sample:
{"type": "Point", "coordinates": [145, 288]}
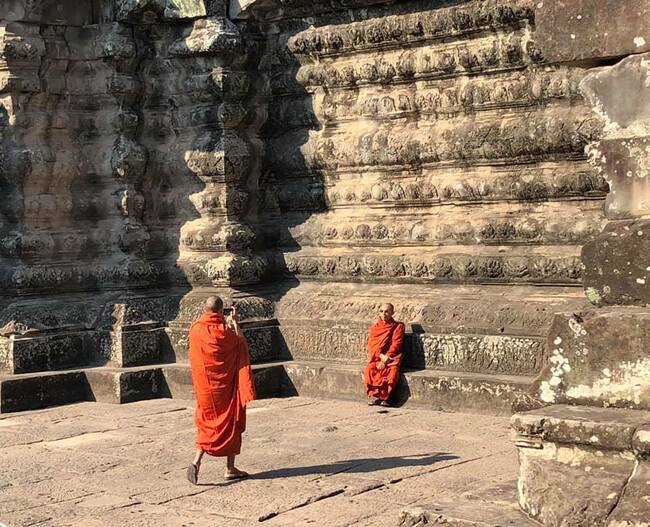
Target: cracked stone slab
{"type": "Point", "coordinates": [331, 463]}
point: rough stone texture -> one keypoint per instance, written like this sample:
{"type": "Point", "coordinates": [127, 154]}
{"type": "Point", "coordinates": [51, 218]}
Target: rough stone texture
{"type": "Point", "coordinates": [582, 466]}
{"type": "Point", "coordinates": [583, 30]}
{"type": "Point", "coordinates": [579, 465]}
{"type": "Point", "coordinates": [327, 463]}
{"type": "Point", "coordinates": [615, 266]}
{"type": "Point", "coordinates": [598, 358]}
{"type": "Point", "coordinates": [155, 152]}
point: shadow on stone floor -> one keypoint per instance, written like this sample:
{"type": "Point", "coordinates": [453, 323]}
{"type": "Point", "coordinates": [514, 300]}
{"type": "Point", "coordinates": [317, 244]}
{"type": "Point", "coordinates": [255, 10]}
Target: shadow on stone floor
{"type": "Point", "coordinates": [357, 466]}
{"type": "Point", "coordinates": [349, 466]}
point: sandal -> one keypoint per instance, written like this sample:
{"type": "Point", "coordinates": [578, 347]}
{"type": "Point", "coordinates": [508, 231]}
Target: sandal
{"type": "Point", "coordinates": [193, 473]}
{"type": "Point", "coordinates": [240, 474]}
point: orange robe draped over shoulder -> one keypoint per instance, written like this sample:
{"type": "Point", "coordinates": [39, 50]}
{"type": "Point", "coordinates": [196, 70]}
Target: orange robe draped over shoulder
{"type": "Point", "coordinates": [223, 385]}
{"type": "Point", "coordinates": [383, 338]}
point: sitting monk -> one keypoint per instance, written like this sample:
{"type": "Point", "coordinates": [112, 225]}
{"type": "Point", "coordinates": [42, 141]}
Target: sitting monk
{"type": "Point", "coordinates": [385, 341]}
{"type": "Point", "coordinates": [223, 385]}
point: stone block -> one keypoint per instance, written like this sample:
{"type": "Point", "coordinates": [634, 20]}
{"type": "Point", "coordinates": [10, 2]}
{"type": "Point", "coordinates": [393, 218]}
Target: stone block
{"type": "Point", "coordinates": [625, 163]}
{"type": "Point", "coordinates": [151, 11]}
{"type": "Point", "coordinates": [135, 345]}
{"type": "Point", "coordinates": [619, 95]}
{"type": "Point", "coordinates": [571, 485]}
{"type": "Point", "coordinates": [438, 390]}
{"type": "Point", "coordinates": [267, 379]}
{"type": "Point", "coordinates": [263, 342]}
{"type": "Point", "coordinates": [103, 385]}
{"type": "Point", "coordinates": [577, 465]}
{"type": "Point", "coordinates": [585, 30]}
{"type": "Point", "coordinates": [604, 428]}
{"type": "Point", "coordinates": [633, 509]}
{"type": "Point", "coordinates": [56, 351]}
{"type": "Point", "coordinates": [598, 357]}
{"type": "Point", "coordinates": [617, 269]}
{"type": "Point", "coordinates": [56, 12]}
{"type": "Point", "coordinates": [141, 384]}
{"type": "Point", "coordinates": [33, 391]}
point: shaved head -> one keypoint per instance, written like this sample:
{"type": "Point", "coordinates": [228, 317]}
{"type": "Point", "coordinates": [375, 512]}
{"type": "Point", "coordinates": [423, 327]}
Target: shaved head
{"type": "Point", "coordinates": [386, 312]}
{"type": "Point", "coordinates": [213, 304]}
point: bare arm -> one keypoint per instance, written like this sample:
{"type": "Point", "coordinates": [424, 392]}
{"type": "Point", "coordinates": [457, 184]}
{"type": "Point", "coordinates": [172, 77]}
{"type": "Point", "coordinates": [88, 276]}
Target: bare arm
{"type": "Point", "coordinates": [233, 322]}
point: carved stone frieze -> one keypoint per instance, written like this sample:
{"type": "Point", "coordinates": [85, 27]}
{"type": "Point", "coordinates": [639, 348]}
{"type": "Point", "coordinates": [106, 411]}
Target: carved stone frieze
{"type": "Point", "coordinates": [511, 139]}
{"type": "Point", "coordinates": [403, 30]}
{"type": "Point", "coordinates": [529, 225]}
{"type": "Point", "coordinates": [487, 54]}
{"type": "Point", "coordinates": [448, 268]}
{"type": "Point", "coordinates": [526, 184]}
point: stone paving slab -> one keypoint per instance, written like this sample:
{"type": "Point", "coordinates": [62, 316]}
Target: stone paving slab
{"type": "Point", "coordinates": [314, 462]}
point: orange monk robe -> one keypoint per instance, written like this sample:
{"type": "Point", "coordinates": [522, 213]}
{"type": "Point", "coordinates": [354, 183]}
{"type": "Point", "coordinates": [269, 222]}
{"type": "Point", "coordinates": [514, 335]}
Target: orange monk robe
{"type": "Point", "coordinates": [223, 385]}
{"type": "Point", "coordinates": [383, 338]}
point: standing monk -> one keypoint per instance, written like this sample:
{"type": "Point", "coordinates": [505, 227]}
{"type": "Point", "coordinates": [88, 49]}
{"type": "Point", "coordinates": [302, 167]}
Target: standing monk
{"type": "Point", "coordinates": [223, 386]}
{"type": "Point", "coordinates": [385, 341]}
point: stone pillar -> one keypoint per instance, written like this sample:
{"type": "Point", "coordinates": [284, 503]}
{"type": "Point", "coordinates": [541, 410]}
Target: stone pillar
{"type": "Point", "coordinates": [583, 460]}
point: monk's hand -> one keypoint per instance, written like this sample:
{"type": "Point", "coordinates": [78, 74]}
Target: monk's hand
{"type": "Point", "coordinates": [231, 319]}
{"type": "Point", "coordinates": [380, 365]}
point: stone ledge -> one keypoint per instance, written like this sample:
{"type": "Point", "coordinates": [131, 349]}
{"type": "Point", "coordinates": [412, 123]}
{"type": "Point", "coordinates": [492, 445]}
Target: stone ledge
{"type": "Point", "coordinates": [114, 385]}
{"type": "Point", "coordinates": [602, 428]}
{"type": "Point", "coordinates": [434, 389]}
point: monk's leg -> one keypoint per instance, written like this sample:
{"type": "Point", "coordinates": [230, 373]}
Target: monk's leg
{"type": "Point", "coordinates": [198, 457]}
{"type": "Point", "coordinates": [232, 472]}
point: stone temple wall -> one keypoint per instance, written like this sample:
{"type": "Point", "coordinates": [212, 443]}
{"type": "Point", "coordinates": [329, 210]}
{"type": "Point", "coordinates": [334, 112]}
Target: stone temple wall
{"type": "Point", "coordinates": [430, 154]}
{"type": "Point", "coordinates": [308, 160]}
{"type": "Point", "coordinates": [128, 143]}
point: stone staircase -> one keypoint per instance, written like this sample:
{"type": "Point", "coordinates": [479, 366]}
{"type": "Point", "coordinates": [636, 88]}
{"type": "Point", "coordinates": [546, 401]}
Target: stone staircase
{"type": "Point", "coordinates": [468, 348]}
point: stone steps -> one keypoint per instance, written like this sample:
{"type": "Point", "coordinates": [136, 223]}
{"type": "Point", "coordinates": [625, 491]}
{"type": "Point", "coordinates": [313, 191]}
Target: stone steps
{"type": "Point", "coordinates": [434, 389]}
{"type": "Point", "coordinates": [30, 391]}
{"type": "Point", "coordinates": [480, 329]}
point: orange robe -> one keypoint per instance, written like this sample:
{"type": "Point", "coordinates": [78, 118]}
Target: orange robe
{"type": "Point", "coordinates": [386, 338]}
{"type": "Point", "coordinates": [223, 385]}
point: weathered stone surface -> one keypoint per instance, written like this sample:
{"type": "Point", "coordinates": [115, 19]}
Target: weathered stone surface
{"type": "Point", "coordinates": [632, 509]}
{"type": "Point", "coordinates": [603, 428]}
{"type": "Point", "coordinates": [557, 487]}
{"type": "Point", "coordinates": [616, 264]}
{"type": "Point", "coordinates": [577, 465]}
{"type": "Point", "coordinates": [598, 358]}
{"type": "Point", "coordinates": [101, 465]}
{"type": "Point", "coordinates": [619, 94]}
{"type": "Point", "coordinates": [582, 30]}
{"type": "Point", "coordinates": [437, 389]}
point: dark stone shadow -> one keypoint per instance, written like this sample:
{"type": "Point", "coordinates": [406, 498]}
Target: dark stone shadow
{"type": "Point", "coordinates": [349, 466]}
{"type": "Point", "coordinates": [358, 466]}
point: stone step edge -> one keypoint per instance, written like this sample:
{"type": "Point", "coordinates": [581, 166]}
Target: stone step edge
{"type": "Point", "coordinates": [433, 389]}
{"type": "Point", "coordinates": [617, 429]}
{"type": "Point", "coordinates": [31, 391]}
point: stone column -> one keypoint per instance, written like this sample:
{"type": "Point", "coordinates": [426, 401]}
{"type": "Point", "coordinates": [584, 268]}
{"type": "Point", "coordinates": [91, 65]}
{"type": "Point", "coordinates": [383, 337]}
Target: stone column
{"type": "Point", "coordinates": [583, 460]}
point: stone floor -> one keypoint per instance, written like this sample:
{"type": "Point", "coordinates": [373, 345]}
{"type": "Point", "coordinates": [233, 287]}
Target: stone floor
{"type": "Point", "coordinates": [315, 462]}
